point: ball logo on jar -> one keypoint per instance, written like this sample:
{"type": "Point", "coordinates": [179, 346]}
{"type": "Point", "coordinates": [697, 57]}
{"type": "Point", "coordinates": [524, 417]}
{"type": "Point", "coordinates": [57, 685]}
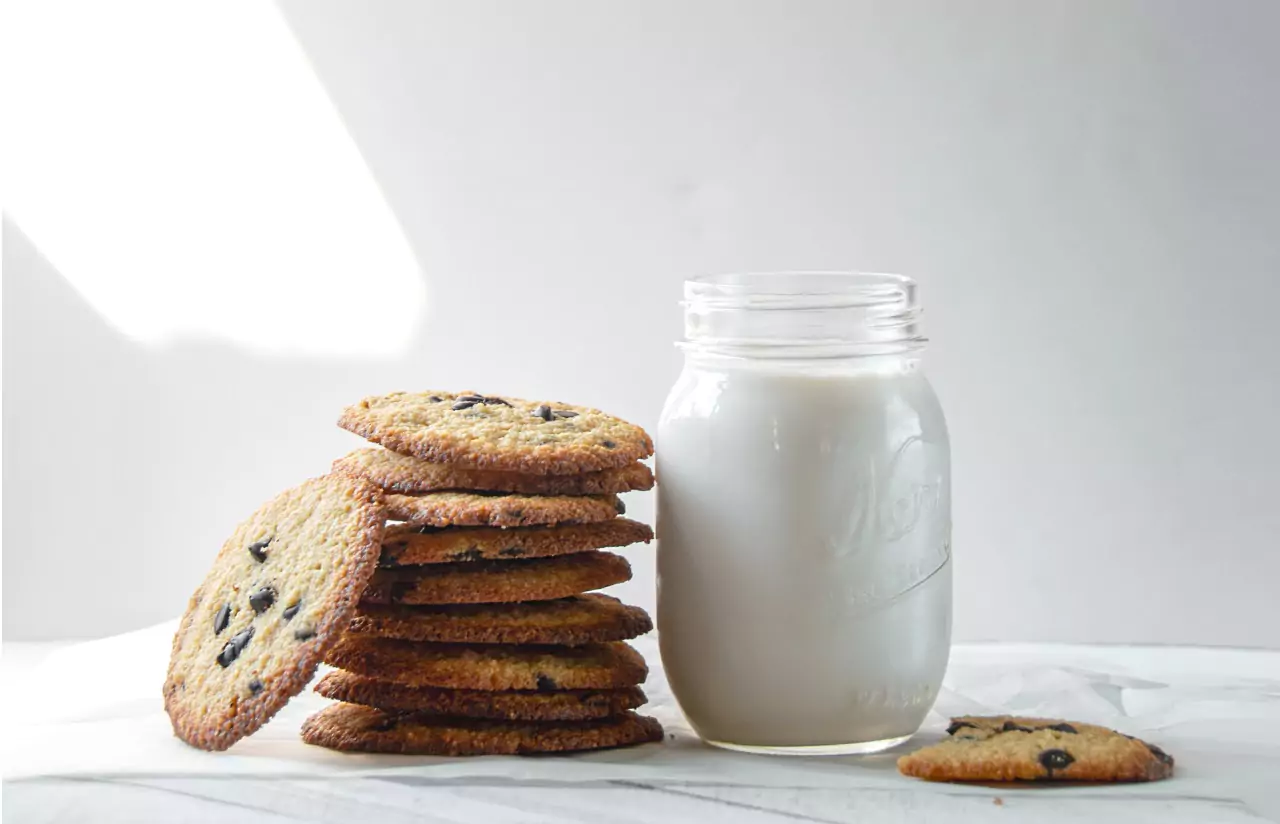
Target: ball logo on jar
{"type": "Point", "coordinates": [898, 531]}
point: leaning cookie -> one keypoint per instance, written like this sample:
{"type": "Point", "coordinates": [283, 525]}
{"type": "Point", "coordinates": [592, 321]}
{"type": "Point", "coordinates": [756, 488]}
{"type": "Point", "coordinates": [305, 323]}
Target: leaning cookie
{"type": "Point", "coordinates": [491, 666]}
{"type": "Point", "coordinates": [1009, 748]}
{"type": "Point", "coordinates": [282, 590]}
{"type": "Point", "coordinates": [401, 473]}
{"type": "Point", "coordinates": [572, 621]}
{"type": "Point", "coordinates": [503, 510]}
{"type": "Point", "coordinates": [511, 705]}
{"type": "Point", "coordinates": [411, 545]}
{"type": "Point", "coordinates": [493, 582]}
{"type": "Point", "coordinates": [491, 433]}
{"type": "Point", "coordinates": [364, 729]}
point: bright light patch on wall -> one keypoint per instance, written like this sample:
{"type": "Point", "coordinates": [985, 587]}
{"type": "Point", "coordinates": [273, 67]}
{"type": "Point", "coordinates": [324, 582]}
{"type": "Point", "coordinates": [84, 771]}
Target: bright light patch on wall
{"type": "Point", "coordinates": [181, 165]}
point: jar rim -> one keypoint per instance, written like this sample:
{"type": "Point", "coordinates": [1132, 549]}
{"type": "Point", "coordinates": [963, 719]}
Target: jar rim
{"type": "Point", "coordinates": [829, 287]}
{"type": "Point", "coordinates": [801, 314]}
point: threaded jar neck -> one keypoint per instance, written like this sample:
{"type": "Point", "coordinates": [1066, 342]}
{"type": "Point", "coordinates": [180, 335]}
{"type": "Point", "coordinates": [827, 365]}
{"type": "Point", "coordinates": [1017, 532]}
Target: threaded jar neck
{"type": "Point", "coordinates": [801, 315]}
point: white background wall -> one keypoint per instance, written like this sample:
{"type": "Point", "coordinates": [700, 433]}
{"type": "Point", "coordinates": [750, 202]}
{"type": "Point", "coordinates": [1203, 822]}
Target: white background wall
{"type": "Point", "coordinates": [1089, 192]}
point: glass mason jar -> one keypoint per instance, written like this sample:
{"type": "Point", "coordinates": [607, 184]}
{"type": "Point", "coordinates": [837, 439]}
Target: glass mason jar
{"type": "Point", "coordinates": [804, 515]}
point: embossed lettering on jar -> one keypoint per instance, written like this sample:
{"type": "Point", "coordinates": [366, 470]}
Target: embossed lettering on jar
{"type": "Point", "coordinates": [804, 515]}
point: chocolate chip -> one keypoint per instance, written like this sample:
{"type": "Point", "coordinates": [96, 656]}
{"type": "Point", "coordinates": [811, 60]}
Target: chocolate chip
{"type": "Point", "coordinates": [471, 554]}
{"type": "Point", "coordinates": [565, 413]}
{"type": "Point", "coordinates": [256, 550]}
{"type": "Point", "coordinates": [434, 398]}
{"type": "Point", "coordinates": [460, 405]}
{"type": "Point", "coordinates": [959, 725]}
{"type": "Point", "coordinates": [235, 646]}
{"type": "Point", "coordinates": [546, 682]}
{"type": "Point", "coordinates": [221, 620]}
{"type": "Point", "coordinates": [255, 687]}
{"type": "Point", "coordinates": [620, 506]}
{"type": "Point", "coordinates": [1055, 760]}
{"type": "Point", "coordinates": [496, 401]}
{"type": "Point", "coordinates": [304, 634]}
{"type": "Point", "coordinates": [512, 552]}
{"type": "Point", "coordinates": [543, 412]}
{"type": "Point", "coordinates": [518, 512]}
{"type": "Point", "coordinates": [1160, 754]}
{"type": "Point", "coordinates": [262, 600]}
{"type": "Point", "coordinates": [291, 610]}
{"type": "Point", "coordinates": [1062, 728]}
{"type": "Point", "coordinates": [608, 444]}
{"type": "Point", "coordinates": [472, 398]}
{"type": "Point", "coordinates": [1009, 726]}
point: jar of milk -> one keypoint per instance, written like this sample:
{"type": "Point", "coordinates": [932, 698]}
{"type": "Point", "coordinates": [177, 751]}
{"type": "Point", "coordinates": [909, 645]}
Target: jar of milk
{"type": "Point", "coordinates": [804, 515]}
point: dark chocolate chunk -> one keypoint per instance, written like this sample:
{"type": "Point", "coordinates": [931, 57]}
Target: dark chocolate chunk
{"type": "Point", "coordinates": [608, 444]}
{"type": "Point", "coordinates": [460, 405]}
{"type": "Point", "coordinates": [511, 552]}
{"type": "Point", "coordinates": [221, 620]}
{"type": "Point", "coordinates": [546, 683]}
{"type": "Point", "coordinates": [543, 412]}
{"type": "Point", "coordinates": [255, 687]}
{"type": "Point", "coordinates": [262, 600]}
{"type": "Point", "coordinates": [1064, 727]}
{"type": "Point", "coordinates": [565, 413]}
{"type": "Point", "coordinates": [258, 551]}
{"type": "Point", "coordinates": [472, 554]}
{"type": "Point", "coordinates": [1009, 726]}
{"type": "Point", "coordinates": [235, 646]}
{"type": "Point", "coordinates": [1056, 760]}
{"type": "Point", "coordinates": [472, 398]}
{"type": "Point", "coordinates": [304, 634]}
{"type": "Point", "coordinates": [959, 725]}
{"type": "Point", "coordinates": [496, 401]}
{"type": "Point", "coordinates": [1160, 754]}
{"type": "Point", "coordinates": [435, 398]}
{"type": "Point", "coordinates": [621, 507]}
{"type": "Point", "coordinates": [291, 610]}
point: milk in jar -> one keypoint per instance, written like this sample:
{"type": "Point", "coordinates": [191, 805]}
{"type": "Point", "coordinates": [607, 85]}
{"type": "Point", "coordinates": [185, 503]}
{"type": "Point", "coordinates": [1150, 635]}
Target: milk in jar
{"type": "Point", "coordinates": [804, 517]}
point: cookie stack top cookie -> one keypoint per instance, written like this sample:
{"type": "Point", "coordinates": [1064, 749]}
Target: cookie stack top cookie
{"type": "Point", "coordinates": [470, 431]}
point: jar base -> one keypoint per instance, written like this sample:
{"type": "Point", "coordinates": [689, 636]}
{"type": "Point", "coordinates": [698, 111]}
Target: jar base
{"type": "Point", "coordinates": [854, 748]}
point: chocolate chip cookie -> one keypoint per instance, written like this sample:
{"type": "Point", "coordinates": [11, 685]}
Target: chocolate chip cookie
{"type": "Point", "coordinates": [412, 545]}
{"type": "Point", "coordinates": [500, 509]}
{"type": "Point", "coordinates": [401, 473]}
{"type": "Point", "coordinates": [492, 582]}
{"type": "Point", "coordinates": [512, 705]}
{"type": "Point", "coordinates": [490, 666]}
{"type": "Point", "coordinates": [492, 433]}
{"type": "Point", "coordinates": [365, 729]}
{"type": "Point", "coordinates": [573, 621]}
{"type": "Point", "coordinates": [282, 590]}
{"type": "Point", "coordinates": [1009, 748]}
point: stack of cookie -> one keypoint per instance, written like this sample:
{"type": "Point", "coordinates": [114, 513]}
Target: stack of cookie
{"type": "Point", "coordinates": [478, 633]}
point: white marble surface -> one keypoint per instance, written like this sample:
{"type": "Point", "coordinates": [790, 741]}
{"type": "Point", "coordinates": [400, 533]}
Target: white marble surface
{"type": "Point", "coordinates": [86, 740]}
